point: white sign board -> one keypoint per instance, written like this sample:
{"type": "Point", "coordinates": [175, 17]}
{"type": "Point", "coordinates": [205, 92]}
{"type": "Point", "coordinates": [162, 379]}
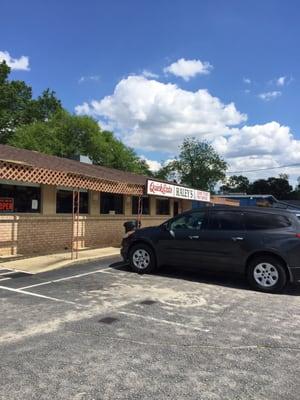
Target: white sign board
{"type": "Point", "coordinates": [174, 191]}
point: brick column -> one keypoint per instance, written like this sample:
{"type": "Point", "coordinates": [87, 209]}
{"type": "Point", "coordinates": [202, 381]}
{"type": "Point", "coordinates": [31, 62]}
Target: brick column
{"type": "Point", "coordinates": [94, 199]}
{"type": "Point", "coordinates": [48, 206]}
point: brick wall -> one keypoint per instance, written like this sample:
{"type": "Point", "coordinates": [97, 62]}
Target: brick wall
{"type": "Point", "coordinates": [48, 232]}
{"type": "Point", "coordinates": [31, 235]}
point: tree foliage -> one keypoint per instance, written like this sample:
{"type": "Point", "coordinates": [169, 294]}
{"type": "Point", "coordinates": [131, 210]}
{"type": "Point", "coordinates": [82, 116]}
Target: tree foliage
{"type": "Point", "coordinates": [17, 107]}
{"type": "Point", "coordinates": [67, 135]}
{"type": "Point", "coordinates": [279, 187]}
{"type": "Point", "coordinates": [198, 165]}
{"type": "Point", "coordinates": [236, 184]}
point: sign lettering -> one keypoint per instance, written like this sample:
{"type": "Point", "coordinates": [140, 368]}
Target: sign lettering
{"type": "Point", "coordinates": [174, 191]}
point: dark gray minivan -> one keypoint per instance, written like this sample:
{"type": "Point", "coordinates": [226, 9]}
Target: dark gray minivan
{"type": "Point", "coordinates": [262, 243]}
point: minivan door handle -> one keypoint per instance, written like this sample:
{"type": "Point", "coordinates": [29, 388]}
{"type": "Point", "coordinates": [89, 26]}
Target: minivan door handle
{"type": "Point", "coordinates": [194, 237]}
{"type": "Point", "coordinates": [237, 238]}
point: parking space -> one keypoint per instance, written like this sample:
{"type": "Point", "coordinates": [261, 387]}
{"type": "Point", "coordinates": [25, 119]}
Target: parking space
{"type": "Point", "coordinates": [98, 331]}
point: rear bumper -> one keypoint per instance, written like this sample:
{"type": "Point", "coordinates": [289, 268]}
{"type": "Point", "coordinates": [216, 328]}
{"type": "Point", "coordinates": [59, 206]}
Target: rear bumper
{"type": "Point", "coordinates": [295, 274]}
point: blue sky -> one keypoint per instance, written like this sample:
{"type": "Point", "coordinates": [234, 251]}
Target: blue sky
{"type": "Point", "coordinates": [90, 50]}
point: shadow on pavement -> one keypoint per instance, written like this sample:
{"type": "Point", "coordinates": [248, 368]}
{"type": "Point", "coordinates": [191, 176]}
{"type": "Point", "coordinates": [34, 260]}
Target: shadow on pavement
{"type": "Point", "coordinates": [230, 280]}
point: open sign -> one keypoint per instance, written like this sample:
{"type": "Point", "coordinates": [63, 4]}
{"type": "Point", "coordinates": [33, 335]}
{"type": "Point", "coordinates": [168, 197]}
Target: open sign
{"type": "Point", "coordinates": [6, 204]}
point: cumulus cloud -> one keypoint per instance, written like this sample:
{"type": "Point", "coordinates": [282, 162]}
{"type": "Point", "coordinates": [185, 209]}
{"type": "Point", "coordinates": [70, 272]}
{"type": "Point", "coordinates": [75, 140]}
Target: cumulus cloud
{"type": "Point", "coordinates": [268, 96]}
{"type": "Point", "coordinates": [89, 78]}
{"type": "Point", "coordinates": [21, 63]}
{"type": "Point", "coordinates": [281, 81]}
{"type": "Point", "coordinates": [260, 146]}
{"type": "Point", "coordinates": [148, 74]}
{"type": "Point", "coordinates": [247, 80]}
{"type": "Point", "coordinates": [153, 164]}
{"type": "Point", "coordinates": [188, 69]}
{"type": "Point", "coordinates": [154, 116]}
{"type": "Point", "coordinates": [151, 115]}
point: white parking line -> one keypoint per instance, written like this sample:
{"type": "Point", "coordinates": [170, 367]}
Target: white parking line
{"type": "Point", "coordinates": [37, 295]}
{"type": "Point", "coordinates": [4, 279]}
{"type": "Point", "coordinates": [67, 278]}
{"type": "Point", "coordinates": [163, 321]}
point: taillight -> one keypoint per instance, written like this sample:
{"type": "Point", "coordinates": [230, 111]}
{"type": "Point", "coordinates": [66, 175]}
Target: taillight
{"type": "Point", "coordinates": [298, 235]}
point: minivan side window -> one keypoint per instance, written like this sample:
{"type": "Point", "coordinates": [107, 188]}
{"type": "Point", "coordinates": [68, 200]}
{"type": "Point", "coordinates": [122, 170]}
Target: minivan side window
{"type": "Point", "coordinates": [226, 221]}
{"type": "Point", "coordinates": [193, 220]}
{"type": "Point", "coordinates": [257, 221]}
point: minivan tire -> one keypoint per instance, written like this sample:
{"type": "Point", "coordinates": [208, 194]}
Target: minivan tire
{"type": "Point", "coordinates": [142, 259]}
{"type": "Point", "coordinates": [267, 274]}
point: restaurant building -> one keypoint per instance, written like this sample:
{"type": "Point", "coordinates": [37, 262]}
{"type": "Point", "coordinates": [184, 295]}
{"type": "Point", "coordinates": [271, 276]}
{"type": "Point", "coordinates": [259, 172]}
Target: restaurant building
{"type": "Point", "coordinates": [50, 204]}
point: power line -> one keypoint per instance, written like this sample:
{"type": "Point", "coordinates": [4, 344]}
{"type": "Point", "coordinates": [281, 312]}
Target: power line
{"type": "Point", "coordinates": [264, 169]}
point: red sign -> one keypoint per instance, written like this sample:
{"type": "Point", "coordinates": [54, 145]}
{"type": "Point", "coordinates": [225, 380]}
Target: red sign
{"type": "Point", "coordinates": [6, 204]}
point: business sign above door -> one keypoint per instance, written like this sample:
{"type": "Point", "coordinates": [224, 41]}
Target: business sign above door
{"type": "Point", "coordinates": [174, 191]}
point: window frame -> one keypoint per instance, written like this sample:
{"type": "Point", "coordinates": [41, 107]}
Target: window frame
{"type": "Point", "coordinates": [143, 197]}
{"type": "Point", "coordinates": [190, 213]}
{"type": "Point", "coordinates": [242, 220]}
{"type": "Point", "coordinates": [16, 184]}
{"type": "Point", "coordinates": [62, 189]}
{"type": "Point", "coordinates": [268, 215]}
{"type": "Point", "coordinates": [111, 194]}
{"type": "Point", "coordinates": [162, 199]}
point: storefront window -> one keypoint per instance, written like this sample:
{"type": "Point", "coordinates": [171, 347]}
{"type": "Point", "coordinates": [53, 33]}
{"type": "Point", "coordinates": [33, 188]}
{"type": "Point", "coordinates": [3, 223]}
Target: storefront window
{"type": "Point", "coordinates": [64, 202]}
{"type": "Point", "coordinates": [21, 198]}
{"type": "Point", "coordinates": [145, 205]}
{"type": "Point", "coordinates": [110, 202]}
{"type": "Point", "coordinates": [162, 206]}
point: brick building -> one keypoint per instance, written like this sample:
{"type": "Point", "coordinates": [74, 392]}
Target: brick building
{"type": "Point", "coordinates": [37, 203]}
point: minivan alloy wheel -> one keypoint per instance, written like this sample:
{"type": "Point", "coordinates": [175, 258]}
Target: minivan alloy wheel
{"type": "Point", "coordinates": [141, 259]}
{"type": "Point", "coordinates": [266, 274]}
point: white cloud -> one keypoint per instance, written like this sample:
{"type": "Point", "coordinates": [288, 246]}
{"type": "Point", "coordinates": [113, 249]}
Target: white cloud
{"type": "Point", "coordinates": [90, 78]}
{"type": "Point", "coordinates": [82, 109]}
{"type": "Point", "coordinates": [188, 69]}
{"type": "Point", "coordinates": [21, 63]}
{"type": "Point", "coordinates": [267, 96]}
{"type": "Point", "coordinates": [154, 116]}
{"type": "Point", "coordinates": [151, 115]}
{"type": "Point", "coordinates": [153, 164]}
{"type": "Point", "coordinates": [260, 146]}
{"type": "Point", "coordinates": [148, 74]}
{"type": "Point", "coordinates": [281, 81]}
{"type": "Point", "coordinates": [247, 80]}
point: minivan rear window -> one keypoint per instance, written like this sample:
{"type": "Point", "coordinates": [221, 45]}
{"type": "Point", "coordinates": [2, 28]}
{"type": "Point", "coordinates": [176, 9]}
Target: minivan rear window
{"type": "Point", "coordinates": [257, 221]}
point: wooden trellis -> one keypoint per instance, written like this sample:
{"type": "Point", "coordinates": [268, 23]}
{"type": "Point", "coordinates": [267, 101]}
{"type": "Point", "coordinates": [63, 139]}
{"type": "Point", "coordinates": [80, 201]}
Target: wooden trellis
{"type": "Point", "coordinates": [23, 173]}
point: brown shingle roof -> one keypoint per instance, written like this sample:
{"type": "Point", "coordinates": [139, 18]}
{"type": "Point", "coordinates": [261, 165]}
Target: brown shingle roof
{"type": "Point", "coordinates": [45, 161]}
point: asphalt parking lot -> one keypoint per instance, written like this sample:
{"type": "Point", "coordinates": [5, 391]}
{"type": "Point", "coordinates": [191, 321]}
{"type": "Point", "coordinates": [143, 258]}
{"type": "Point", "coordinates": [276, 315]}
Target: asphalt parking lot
{"type": "Point", "coordinates": [98, 331]}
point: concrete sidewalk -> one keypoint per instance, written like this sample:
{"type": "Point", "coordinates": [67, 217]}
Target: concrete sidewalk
{"type": "Point", "coordinates": [35, 265]}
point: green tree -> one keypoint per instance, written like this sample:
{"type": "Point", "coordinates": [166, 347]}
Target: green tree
{"type": "Point", "coordinates": [278, 187]}
{"type": "Point", "coordinates": [17, 106]}
{"type": "Point", "coordinates": [236, 184]}
{"type": "Point", "coordinates": [67, 135]}
{"type": "Point", "coordinates": [198, 165]}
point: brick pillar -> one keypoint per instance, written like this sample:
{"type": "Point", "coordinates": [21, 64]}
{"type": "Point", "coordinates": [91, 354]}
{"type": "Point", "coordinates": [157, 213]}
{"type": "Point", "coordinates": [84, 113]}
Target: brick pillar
{"type": "Point", "coordinates": [128, 206]}
{"type": "Point", "coordinates": [48, 200]}
{"type": "Point", "coordinates": [94, 199]}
